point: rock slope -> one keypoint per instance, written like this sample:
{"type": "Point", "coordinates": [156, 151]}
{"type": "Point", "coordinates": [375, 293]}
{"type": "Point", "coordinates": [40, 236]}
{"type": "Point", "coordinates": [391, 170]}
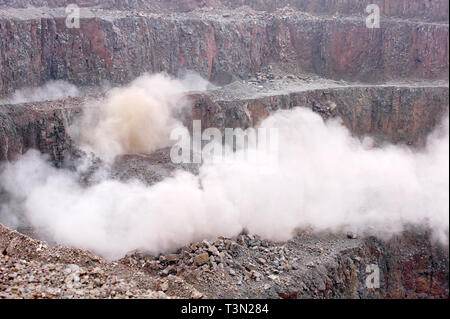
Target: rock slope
{"type": "Point", "coordinates": [399, 113]}
{"type": "Point", "coordinates": [309, 266]}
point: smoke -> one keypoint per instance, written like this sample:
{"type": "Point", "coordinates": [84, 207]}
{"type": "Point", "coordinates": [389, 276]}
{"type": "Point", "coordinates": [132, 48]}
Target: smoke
{"type": "Point", "coordinates": [325, 179]}
{"type": "Point", "coordinates": [51, 91]}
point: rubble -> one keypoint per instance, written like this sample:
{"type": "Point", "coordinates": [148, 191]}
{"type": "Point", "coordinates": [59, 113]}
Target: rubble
{"type": "Point", "coordinates": [247, 266]}
{"type": "Point", "coordinates": [201, 259]}
{"type": "Point", "coordinates": [27, 279]}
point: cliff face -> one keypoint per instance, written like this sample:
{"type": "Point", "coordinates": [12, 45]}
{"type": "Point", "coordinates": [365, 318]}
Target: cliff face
{"type": "Point", "coordinates": [117, 46]}
{"type": "Point", "coordinates": [395, 114]}
{"type": "Point", "coordinates": [30, 127]}
{"type": "Point", "coordinates": [223, 41]}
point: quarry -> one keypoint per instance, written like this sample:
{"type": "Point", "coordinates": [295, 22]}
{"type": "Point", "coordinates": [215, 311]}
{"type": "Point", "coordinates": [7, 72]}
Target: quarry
{"type": "Point", "coordinates": [92, 204]}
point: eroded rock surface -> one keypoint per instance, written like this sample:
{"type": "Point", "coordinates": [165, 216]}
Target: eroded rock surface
{"type": "Point", "coordinates": [401, 113]}
{"type": "Point", "coordinates": [221, 44]}
{"type": "Point", "coordinates": [41, 126]}
{"type": "Point", "coordinates": [398, 113]}
{"type": "Point", "coordinates": [31, 268]}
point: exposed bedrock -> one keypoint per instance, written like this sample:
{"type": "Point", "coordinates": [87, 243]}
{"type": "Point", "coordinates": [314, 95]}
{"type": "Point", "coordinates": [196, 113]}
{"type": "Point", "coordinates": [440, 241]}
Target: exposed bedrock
{"type": "Point", "coordinates": [27, 126]}
{"type": "Point", "coordinates": [398, 114]}
{"type": "Point", "coordinates": [308, 266]}
{"type": "Point", "coordinates": [117, 46]}
{"type": "Point", "coordinates": [389, 113]}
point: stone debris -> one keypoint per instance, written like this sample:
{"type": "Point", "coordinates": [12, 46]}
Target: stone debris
{"type": "Point", "coordinates": [249, 89]}
{"type": "Point", "coordinates": [201, 259]}
{"type": "Point", "coordinates": [351, 235]}
{"type": "Point", "coordinates": [248, 266]}
{"type": "Point", "coordinates": [36, 279]}
{"type": "Point", "coordinates": [172, 258]}
{"type": "Point", "coordinates": [225, 267]}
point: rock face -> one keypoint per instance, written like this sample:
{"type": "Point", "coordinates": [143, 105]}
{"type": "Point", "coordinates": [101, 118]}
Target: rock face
{"type": "Point", "coordinates": [223, 45]}
{"type": "Point", "coordinates": [28, 126]}
{"type": "Point", "coordinates": [398, 114]}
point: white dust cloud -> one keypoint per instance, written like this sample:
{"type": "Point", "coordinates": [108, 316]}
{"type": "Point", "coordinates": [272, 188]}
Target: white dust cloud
{"type": "Point", "coordinates": [51, 91]}
{"type": "Point", "coordinates": [325, 179]}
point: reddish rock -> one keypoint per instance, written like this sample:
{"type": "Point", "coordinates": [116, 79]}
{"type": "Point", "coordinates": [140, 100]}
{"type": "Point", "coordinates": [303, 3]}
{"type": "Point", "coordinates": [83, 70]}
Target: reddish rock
{"type": "Point", "coordinates": [118, 46]}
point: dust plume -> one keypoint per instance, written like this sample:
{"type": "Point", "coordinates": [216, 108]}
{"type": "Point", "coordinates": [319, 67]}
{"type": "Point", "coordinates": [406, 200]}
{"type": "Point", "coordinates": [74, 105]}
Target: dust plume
{"type": "Point", "coordinates": [137, 118]}
{"type": "Point", "coordinates": [325, 179]}
{"type": "Point", "coordinates": [51, 91]}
